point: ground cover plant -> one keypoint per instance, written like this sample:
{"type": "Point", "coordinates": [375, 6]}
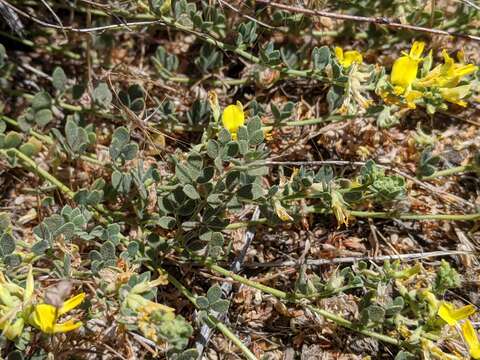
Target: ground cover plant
{"type": "Point", "coordinates": [239, 179]}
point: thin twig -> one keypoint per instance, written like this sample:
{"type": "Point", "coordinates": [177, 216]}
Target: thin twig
{"type": "Point", "coordinates": [80, 30]}
{"type": "Point", "coordinates": [55, 16]}
{"type": "Point", "coordinates": [353, 259]}
{"type": "Point", "coordinates": [373, 20]}
{"type": "Point", "coordinates": [245, 15]}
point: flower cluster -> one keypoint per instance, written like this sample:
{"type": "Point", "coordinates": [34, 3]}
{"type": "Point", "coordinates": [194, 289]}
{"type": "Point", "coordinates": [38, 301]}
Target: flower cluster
{"type": "Point", "coordinates": [409, 86]}
{"type": "Point", "coordinates": [17, 309]}
{"type": "Point", "coordinates": [452, 316]}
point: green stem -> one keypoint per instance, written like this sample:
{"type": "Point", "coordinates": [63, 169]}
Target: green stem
{"type": "Point", "coordinates": [451, 171]}
{"type": "Point", "coordinates": [32, 165]}
{"type": "Point", "coordinates": [218, 324]}
{"type": "Point", "coordinates": [292, 298]}
{"type": "Point", "coordinates": [99, 211]}
{"type": "Point", "coordinates": [108, 116]}
{"type": "Point", "coordinates": [48, 140]}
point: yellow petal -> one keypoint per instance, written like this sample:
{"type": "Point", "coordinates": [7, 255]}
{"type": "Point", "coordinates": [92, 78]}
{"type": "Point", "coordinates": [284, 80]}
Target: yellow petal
{"type": "Point", "coordinates": [451, 316]}
{"type": "Point", "coordinates": [471, 339]}
{"type": "Point", "coordinates": [71, 303]}
{"type": "Point", "coordinates": [455, 94]}
{"type": "Point", "coordinates": [12, 331]}
{"type": "Point", "coordinates": [66, 326]}
{"type": "Point", "coordinates": [411, 97]}
{"type": "Point", "coordinates": [417, 50]}
{"type": "Point", "coordinates": [404, 72]}
{"type": "Point", "coordinates": [353, 56]}
{"type": "Point", "coordinates": [233, 117]}
{"type": "Point", "coordinates": [465, 70]}
{"type": "Point", "coordinates": [44, 317]}
{"type": "Point", "coordinates": [347, 58]}
{"type": "Point", "coordinates": [339, 53]}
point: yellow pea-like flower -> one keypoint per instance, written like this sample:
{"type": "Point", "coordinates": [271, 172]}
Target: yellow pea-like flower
{"type": "Point", "coordinates": [452, 315]}
{"type": "Point", "coordinates": [405, 68]}
{"type": "Point", "coordinates": [347, 58]}
{"type": "Point", "coordinates": [455, 94]}
{"type": "Point", "coordinates": [44, 316]}
{"type": "Point", "coordinates": [233, 117]}
{"type": "Point", "coordinates": [471, 339]}
{"type": "Point", "coordinates": [448, 74]}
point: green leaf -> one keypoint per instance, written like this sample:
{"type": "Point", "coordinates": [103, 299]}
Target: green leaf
{"type": "Point", "coordinates": [250, 191]}
{"type": "Point", "coordinates": [242, 133]}
{"type": "Point", "coordinates": [132, 248]}
{"type": "Point", "coordinates": [256, 138]}
{"type": "Point", "coordinates": [224, 136]}
{"type": "Point", "coordinates": [29, 149]}
{"type": "Point", "coordinates": [129, 151]}
{"type": "Point", "coordinates": [41, 100]}
{"type": "Point", "coordinates": [4, 221]}
{"type": "Point", "coordinates": [214, 294]}
{"type": "Point", "coordinates": [182, 174]}
{"type": "Point", "coordinates": [376, 313]}
{"type": "Point", "coordinates": [12, 140]}
{"type": "Point", "coordinates": [254, 124]}
{"type": "Point", "coordinates": [94, 255]}
{"type": "Point", "coordinates": [13, 260]}
{"type": "Point", "coordinates": [191, 192]}
{"type": "Point", "coordinates": [167, 222]}
{"type": "Point", "coordinates": [59, 79]}
{"type": "Point", "coordinates": [43, 117]}
{"type": "Point", "coordinates": [320, 57]}
{"type": "Point", "coordinates": [202, 302]}
{"type": "Point", "coordinates": [231, 149]}
{"type": "Point", "coordinates": [213, 148]}
{"type": "Point", "coordinates": [220, 306]}
{"type": "Point", "coordinates": [335, 97]}
{"type": "Point", "coordinates": [7, 244]}
{"type": "Point", "coordinates": [40, 247]}
{"type": "Point", "coordinates": [207, 175]}
{"type": "Point", "coordinates": [67, 230]}
{"type": "Point", "coordinates": [77, 138]}
{"type": "Point", "coordinates": [107, 250]}
{"type": "Point", "coordinates": [102, 95]}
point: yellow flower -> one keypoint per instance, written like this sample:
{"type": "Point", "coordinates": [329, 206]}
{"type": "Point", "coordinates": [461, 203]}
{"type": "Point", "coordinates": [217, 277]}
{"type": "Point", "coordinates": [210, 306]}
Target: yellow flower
{"type": "Point", "coordinates": [447, 74]}
{"type": "Point", "coordinates": [233, 117]}
{"type": "Point", "coordinates": [339, 208]}
{"type": "Point", "coordinates": [213, 101]}
{"type": "Point", "coordinates": [405, 68]}
{"type": "Point", "coordinates": [471, 339]}
{"type": "Point", "coordinates": [455, 94]}
{"type": "Point", "coordinates": [281, 211]}
{"type": "Point", "coordinates": [430, 348]}
{"type": "Point", "coordinates": [347, 58]}
{"type": "Point", "coordinates": [45, 316]}
{"type": "Point", "coordinates": [451, 315]}
{"type": "Point", "coordinates": [12, 331]}
{"type": "Point", "coordinates": [411, 96]}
